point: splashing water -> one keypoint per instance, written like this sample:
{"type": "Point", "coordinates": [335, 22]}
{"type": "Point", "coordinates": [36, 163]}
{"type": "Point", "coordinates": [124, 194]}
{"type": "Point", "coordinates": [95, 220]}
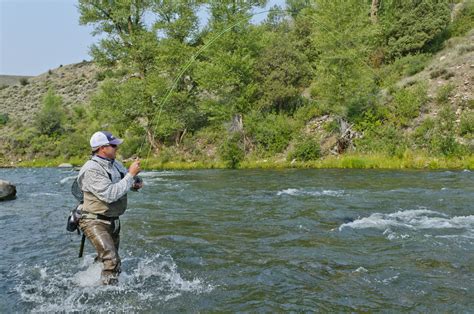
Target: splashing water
{"type": "Point", "coordinates": [151, 280]}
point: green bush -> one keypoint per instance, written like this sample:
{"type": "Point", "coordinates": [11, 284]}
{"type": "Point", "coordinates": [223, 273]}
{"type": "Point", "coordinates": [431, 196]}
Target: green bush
{"type": "Point", "coordinates": [231, 151]}
{"type": "Point", "coordinates": [410, 64]}
{"type": "Point", "coordinates": [438, 135]}
{"type": "Point", "coordinates": [384, 139]}
{"type": "Point", "coordinates": [271, 133]}
{"type": "Point", "coordinates": [51, 117]}
{"type": "Point", "coordinates": [24, 81]}
{"type": "Point", "coordinates": [466, 126]}
{"type": "Point", "coordinates": [305, 149]}
{"type": "Point", "coordinates": [332, 126]}
{"type": "Point", "coordinates": [443, 93]}
{"type": "Point", "coordinates": [308, 112]}
{"type": "Point", "coordinates": [407, 103]}
{"type": "Point", "coordinates": [413, 26]}
{"type": "Point", "coordinates": [4, 118]}
{"type": "Point", "coordinates": [424, 132]}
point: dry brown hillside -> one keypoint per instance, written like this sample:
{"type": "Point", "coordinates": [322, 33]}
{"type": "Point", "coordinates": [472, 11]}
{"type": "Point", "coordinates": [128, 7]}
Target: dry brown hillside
{"type": "Point", "coordinates": [7, 80]}
{"type": "Point", "coordinates": [74, 83]}
{"type": "Point", "coordinates": [453, 66]}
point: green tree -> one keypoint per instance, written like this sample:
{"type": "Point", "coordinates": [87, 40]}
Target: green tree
{"type": "Point", "coordinates": [226, 70]}
{"type": "Point", "coordinates": [49, 121]}
{"type": "Point", "coordinates": [282, 73]}
{"type": "Point", "coordinates": [152, 54]}
{"type": "Point", "coordinates": [344, 38]}
{"type": "Point", "coordinates": [409, 27]}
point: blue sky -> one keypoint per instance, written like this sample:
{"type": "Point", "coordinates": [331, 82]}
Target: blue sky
{"type": "Point", "coordinates": [38, 35]}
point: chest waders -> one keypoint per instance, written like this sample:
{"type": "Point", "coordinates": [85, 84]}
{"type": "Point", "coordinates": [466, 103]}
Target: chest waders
{"type": "Point", "coordinates": [80, 197]}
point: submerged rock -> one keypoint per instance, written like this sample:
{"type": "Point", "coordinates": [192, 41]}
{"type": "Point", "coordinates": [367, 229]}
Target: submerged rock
{"type": "Point", "coordinates": [7, 191]}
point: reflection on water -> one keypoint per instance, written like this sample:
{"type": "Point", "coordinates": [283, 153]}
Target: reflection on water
{"type": "Point", "coordinates": [221, 240]}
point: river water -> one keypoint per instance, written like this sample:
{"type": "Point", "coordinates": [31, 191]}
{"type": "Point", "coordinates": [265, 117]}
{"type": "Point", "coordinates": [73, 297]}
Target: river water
{"type": "Point", "coordinates": [249, 241]}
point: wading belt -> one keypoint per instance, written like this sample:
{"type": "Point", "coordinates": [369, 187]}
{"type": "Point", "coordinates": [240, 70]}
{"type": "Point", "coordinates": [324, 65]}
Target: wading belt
{"type": "Point", "coordinates": [87, 215]}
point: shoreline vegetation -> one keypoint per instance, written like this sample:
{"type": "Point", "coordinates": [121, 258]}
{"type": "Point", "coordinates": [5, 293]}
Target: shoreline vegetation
{"type": "Point", "coordinates": [382, 86]}
{"type": "Point", "coordinates": [347, 161]}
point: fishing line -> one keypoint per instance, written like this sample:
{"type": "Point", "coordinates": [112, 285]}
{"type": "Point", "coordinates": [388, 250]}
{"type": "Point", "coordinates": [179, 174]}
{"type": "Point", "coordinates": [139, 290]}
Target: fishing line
{"type": "Point", "coordinates": [157, 114]}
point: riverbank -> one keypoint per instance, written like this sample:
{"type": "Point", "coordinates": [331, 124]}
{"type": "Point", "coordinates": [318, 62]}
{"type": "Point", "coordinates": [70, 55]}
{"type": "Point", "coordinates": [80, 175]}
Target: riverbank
{"type": "Point", "coordinates": [348, 161]}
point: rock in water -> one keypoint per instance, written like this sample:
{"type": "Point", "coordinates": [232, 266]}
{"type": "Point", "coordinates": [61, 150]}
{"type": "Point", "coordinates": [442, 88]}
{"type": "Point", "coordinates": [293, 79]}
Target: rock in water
{"type": "Point", "coordinates": [65, 166]}
{"type": "Point", "coordinates": [7, 191]}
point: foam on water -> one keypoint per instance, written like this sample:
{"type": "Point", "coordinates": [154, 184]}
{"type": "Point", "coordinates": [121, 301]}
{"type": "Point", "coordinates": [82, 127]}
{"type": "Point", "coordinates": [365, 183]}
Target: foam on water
{"type": "Point", "coordinates": [298, 192]}
{"type": "Point", "coordinates": [144, 282]}
{"type": "Point", "coordinates": [44, 194]}
{"type": "Point", "coordinates": [411, 220]}
{"type": "Point", "coordinates": [66, 179]}
{"type": "Point", "coordinates": [154, 174]}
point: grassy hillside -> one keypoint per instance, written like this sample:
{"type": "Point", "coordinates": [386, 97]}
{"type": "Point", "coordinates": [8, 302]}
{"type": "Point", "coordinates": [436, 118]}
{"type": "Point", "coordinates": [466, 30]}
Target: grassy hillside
{"type": "Point", "coordinates": [288, 93]}
{"type": "Point", "coordinates": [74, 83]}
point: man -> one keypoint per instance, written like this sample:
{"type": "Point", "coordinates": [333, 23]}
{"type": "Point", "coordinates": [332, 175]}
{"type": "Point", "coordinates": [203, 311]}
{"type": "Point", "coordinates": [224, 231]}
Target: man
{"type": "Point", "coordinates": [105, 183]}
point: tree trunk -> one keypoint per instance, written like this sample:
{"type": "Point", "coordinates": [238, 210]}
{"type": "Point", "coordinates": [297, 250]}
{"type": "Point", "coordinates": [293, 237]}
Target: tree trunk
{"type": "Point", "coordinates": [179, 136]}
{"type": "Point", "coordinates": [151, 139]}
{"type": "Point", "coordinates": [374, 11]}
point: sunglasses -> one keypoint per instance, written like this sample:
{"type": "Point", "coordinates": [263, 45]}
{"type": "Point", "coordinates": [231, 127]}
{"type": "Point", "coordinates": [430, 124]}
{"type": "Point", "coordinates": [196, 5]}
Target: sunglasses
{"type": "Point", "coordinates": [111, 145]}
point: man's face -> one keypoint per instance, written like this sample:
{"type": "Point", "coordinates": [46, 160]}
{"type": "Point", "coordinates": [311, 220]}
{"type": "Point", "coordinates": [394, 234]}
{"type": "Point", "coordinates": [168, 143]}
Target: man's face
{"type": "Point", "coordinates": [109, 151]}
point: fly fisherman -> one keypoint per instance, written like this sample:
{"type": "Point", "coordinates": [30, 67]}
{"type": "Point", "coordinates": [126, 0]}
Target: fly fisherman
{"type": "Point", "coordinates": [105, 183]}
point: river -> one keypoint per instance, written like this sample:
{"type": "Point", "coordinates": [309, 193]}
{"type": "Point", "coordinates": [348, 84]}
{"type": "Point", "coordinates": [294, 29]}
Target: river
{"type": "Point", "coordinates": [249, 241]}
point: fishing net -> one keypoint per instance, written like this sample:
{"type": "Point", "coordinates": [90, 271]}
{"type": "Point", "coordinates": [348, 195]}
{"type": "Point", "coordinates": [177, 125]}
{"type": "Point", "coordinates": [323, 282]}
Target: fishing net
{"type": "Point", "coordinates": [77, 192]}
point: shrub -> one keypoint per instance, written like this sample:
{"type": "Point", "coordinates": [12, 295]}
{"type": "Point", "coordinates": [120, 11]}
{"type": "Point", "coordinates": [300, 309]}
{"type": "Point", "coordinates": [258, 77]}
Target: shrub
{"type": "Point", "coordinates": [308, 112]}
{"type": "Point", "coordinates": [4, 118]}
{"type": "Point", "coordinates": [50, 119]}
{"type": "Point", "coordinates": [231, 151]}
{"type": "Point", "coordinates": [306, 149]}
{"type": "Point", "coordinates": [413, 26]}
{"type": "Point", "coordinates": [332, 126]}
{"type": "Point", "coordinates": [3, 86]}
{"type": "Point", "coordinates": [271, 133]}
{"type": "Point", "coordinates": [437, 73]}
{"type": "Point", "coordinates": [407, 103]}
{"type": "Point", "coordinates": [465, 49]}
{"type": "Point", "coordinates": [385, 139]}
{"type": "Point", "coordinates": [443, 93]}
{"type": "Point", "coordinates": [423, 133]}
{"type": "Point", "coordinates": [411, 64]}
{"type": "Point", "coordinates": [438, 135]}
{"type": "Point", "coordinates": [24, 81]}
{"type": "Point", "coordinates": [467, 123]}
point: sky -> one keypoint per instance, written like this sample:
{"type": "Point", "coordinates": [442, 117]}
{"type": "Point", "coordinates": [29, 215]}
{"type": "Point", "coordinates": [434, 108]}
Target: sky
{"type": "Point", "coordinates": [38, 35]}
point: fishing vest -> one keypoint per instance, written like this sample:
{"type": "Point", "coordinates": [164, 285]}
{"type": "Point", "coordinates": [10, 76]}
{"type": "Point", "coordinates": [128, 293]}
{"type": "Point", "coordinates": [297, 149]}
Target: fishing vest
{"type": "Point", "coordinates": [92, 204]}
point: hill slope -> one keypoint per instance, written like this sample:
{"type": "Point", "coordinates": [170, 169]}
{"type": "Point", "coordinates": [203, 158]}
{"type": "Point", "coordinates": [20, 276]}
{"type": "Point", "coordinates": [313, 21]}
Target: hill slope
{"type": "Point", "coordinates": [75, 83]}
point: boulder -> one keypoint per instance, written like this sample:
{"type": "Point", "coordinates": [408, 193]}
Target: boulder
{"type": "Point", "coordinates": [7, 191]}
{"type": "Point", "coordinates": [65, 166]}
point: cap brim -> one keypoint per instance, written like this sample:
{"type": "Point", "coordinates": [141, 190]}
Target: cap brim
{"type": "Point", "coordinates": [116, 141]}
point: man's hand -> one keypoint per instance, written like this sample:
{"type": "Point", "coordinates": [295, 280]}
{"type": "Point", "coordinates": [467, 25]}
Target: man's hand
{"type": "Point", "coordinates": [134, 168]}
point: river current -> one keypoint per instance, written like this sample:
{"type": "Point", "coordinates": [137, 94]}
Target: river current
{"type": "Point", "coordinates": [249, 241]}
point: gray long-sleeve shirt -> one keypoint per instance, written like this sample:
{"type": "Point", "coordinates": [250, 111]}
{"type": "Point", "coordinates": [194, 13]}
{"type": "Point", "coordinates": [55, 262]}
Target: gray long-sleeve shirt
{"type": "Point", "coordinates": [94, 178]}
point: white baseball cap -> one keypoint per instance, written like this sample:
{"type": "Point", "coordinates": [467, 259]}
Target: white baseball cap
{"type": "Point", "coordinates": [103, 138]}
